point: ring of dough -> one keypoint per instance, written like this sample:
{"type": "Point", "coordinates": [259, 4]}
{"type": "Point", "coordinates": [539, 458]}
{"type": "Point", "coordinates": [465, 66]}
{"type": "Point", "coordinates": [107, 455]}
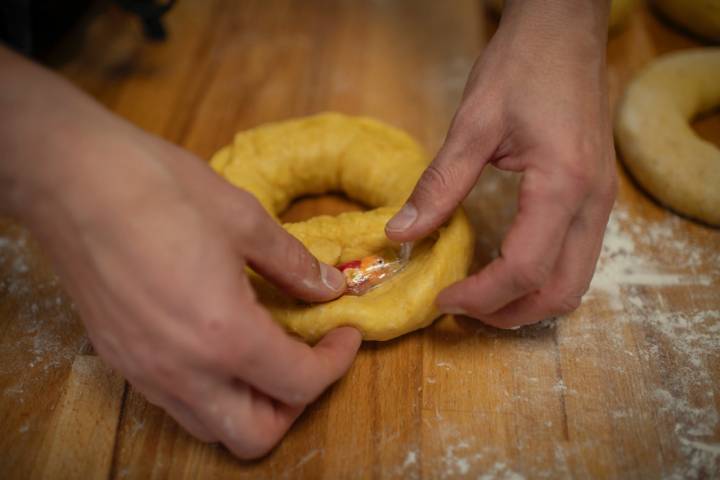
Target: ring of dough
{"type": "Point", "coordinates": [375, 164]}
{"type": "Point", "coordinates": [659, 146]}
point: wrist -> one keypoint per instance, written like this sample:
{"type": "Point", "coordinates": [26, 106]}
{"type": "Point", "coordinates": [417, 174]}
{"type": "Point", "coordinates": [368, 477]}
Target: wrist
{"type": "Point", "coordinates": [575, 29]}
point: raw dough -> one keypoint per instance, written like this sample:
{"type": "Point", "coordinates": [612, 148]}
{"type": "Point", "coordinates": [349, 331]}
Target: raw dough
{"type": "Point", "coordinates": [658, 144]}
{"type": "Point", "coordinates": [375, 164]}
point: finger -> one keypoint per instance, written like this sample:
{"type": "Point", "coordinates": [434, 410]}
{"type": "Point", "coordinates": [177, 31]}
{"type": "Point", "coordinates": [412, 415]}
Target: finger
{"type": "Point", "coordinates": [247, 422]}
{"type": "Point", "coordinates": [178, 410]}
{"type": "Point", "coordinates": [282, 259]}
{"type": "Point", "coordinates": [528, 254]}
{"type": "Point", "coordinates": [292, 371]}
{"type": "Point", "coordinates": [296, 373]}
{"type": "Point", "coordinates": [568, 284]}
{"type": "Point", "coordinates": [445, 183]}
{"type": "Point", "coordinates": [187, 420]}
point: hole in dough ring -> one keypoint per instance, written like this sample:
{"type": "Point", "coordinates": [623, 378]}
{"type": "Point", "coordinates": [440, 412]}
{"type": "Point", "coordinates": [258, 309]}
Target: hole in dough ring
{"type": "Point", "coordinates": [375, 164]}
{"type": "Point", "coordinates": [658, 144]}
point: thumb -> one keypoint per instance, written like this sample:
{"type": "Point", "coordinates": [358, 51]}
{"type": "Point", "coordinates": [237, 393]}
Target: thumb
{"type": "Point", "coordinates": [283, 260]}
{"type": "Point", "coordinates": [442, 186]}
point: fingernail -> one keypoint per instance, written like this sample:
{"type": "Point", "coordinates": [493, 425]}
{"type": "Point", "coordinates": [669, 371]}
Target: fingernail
{"type": "Point", "coordinates": [452, 310]}
{"type": "Point", "coordinates": [332, 277]}
{"type": "Point", "coordinates": [403, 219]}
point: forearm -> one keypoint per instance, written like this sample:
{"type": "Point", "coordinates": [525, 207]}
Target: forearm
{"type": "Point", "coordinates": [553, 22]}
{"type": "Point", "coordinates": [557, 46]}
{"type": "Point", "coordinates": [55, 140]}
{"type": "Point", "coordinates": [554, 31]}
{"type": "Point", "coordinates": [37, 109]}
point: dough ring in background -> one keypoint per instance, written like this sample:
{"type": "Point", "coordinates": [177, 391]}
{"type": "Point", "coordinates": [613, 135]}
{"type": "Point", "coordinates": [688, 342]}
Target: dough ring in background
{"type": "Point", "coordinates": [701, 17]}
{"type": "Point", "coordinates": [657, 142]}
{"type": "Point", "coordinates": [375, 164]}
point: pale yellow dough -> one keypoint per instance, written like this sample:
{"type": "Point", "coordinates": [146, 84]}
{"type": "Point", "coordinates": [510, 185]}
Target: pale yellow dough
{"type": "Point", "coordinates": [375, 164]}
{"type": "Point", "coordinates": [656, 139]}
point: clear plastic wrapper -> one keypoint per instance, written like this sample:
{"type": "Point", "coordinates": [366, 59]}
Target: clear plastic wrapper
{"type": "Point", "coordinates": [368, 272]}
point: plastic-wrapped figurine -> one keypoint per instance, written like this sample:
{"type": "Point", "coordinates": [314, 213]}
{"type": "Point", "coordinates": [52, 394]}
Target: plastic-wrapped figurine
{"type": "Point", "coordinates": [367, 273]}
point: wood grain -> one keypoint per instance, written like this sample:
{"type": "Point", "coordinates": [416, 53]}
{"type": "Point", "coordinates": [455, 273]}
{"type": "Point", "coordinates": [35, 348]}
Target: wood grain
{"type": "Point", "coordinates": [625, 387]}
{"type": "Point", "coordinates": [81, 439]}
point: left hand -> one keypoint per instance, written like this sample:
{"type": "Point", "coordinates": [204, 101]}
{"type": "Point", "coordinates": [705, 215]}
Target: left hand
{"type": "Point", "coordinates": [536, 102]}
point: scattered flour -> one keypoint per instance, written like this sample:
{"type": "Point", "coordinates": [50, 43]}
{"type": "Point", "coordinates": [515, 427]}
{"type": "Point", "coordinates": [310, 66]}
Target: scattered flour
{"type": "Point", "coordinates": [635, 283]}
{"type": "Point", "coordinates": [308, 456]}
{"type": "Point", "coordinates": [410, 459]}
{"type": "Point", "coordinates": [641, 267]}
{"type": "Point", "coordinates": [455, 462]}
{"type": "Point", "coordinates": [46, 331]}
{"type": "Point", "coordinates": [638, 283]}
{"type": "Point", "coordinates": [623, 264]}
{"type": "Point", "coordinates": [137, 426]}
{"type": "Point", "coordinates": [500, 471]}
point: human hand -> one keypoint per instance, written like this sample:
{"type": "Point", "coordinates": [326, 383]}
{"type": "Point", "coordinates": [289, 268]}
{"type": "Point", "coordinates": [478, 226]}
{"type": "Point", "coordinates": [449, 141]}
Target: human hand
{"type": "Point", "coordinates": [158, 280]}
{"type": "Point", "coordinates": [152, 246]}
{"type": "Point", "coordinates": [536, 103]}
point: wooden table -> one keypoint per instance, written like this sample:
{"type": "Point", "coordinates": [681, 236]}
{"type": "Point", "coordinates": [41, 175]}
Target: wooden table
{"type": "Point", "coordinates": [627, 386]}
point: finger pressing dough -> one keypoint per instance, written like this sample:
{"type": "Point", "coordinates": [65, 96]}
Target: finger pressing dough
{"type": "Point", "coordinates": [657, 142]}
{"type": "Point", "coordinates": [375, 164]}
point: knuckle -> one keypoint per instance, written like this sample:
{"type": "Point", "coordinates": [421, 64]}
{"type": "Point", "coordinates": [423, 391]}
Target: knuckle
{"type": "Point", "coordinates": [580, 177]}
{"type": "Point", "coordinates": [221, 346]}
{"type": "Point", "coordinates": [244, 355]}
{"type": "Point", "coordinates": [309, 382]}
{"type": "Point", "coordinates": [302, 397]}
{"type": "Point", "coordinates": [473, 120]}
{"type": "Point", "coordinates": [530, 276]}
{"type": "Point", "coordinates": [587, 167]}
{"type": "Point", "coordinates": [234, 357]}
{"type": "Point", "coordinates": [578, 172]}
{"type": "Point", "coordinates": [434, 179]}
{"type": "Point", "coordinates": [252, 439]}
{"type": "Point", "coordinates": [568, 299]}
{"type": "Point", "coordinates": [298, 259]}
{"type": "Point", "coordinates": [163, 371]}
{"type": "Point", "coordinates": [440, 185]}
{"type": "Point", "coordinates": [249, 214]}
{"type": "Point", "coordinates": [222, 356]}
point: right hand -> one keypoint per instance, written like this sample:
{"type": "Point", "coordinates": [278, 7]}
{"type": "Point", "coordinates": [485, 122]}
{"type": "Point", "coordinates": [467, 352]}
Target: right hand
{"type": "Point", "coordinates": [536, 103]}
{"type": "Point", "coordinates": [152, 246]}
